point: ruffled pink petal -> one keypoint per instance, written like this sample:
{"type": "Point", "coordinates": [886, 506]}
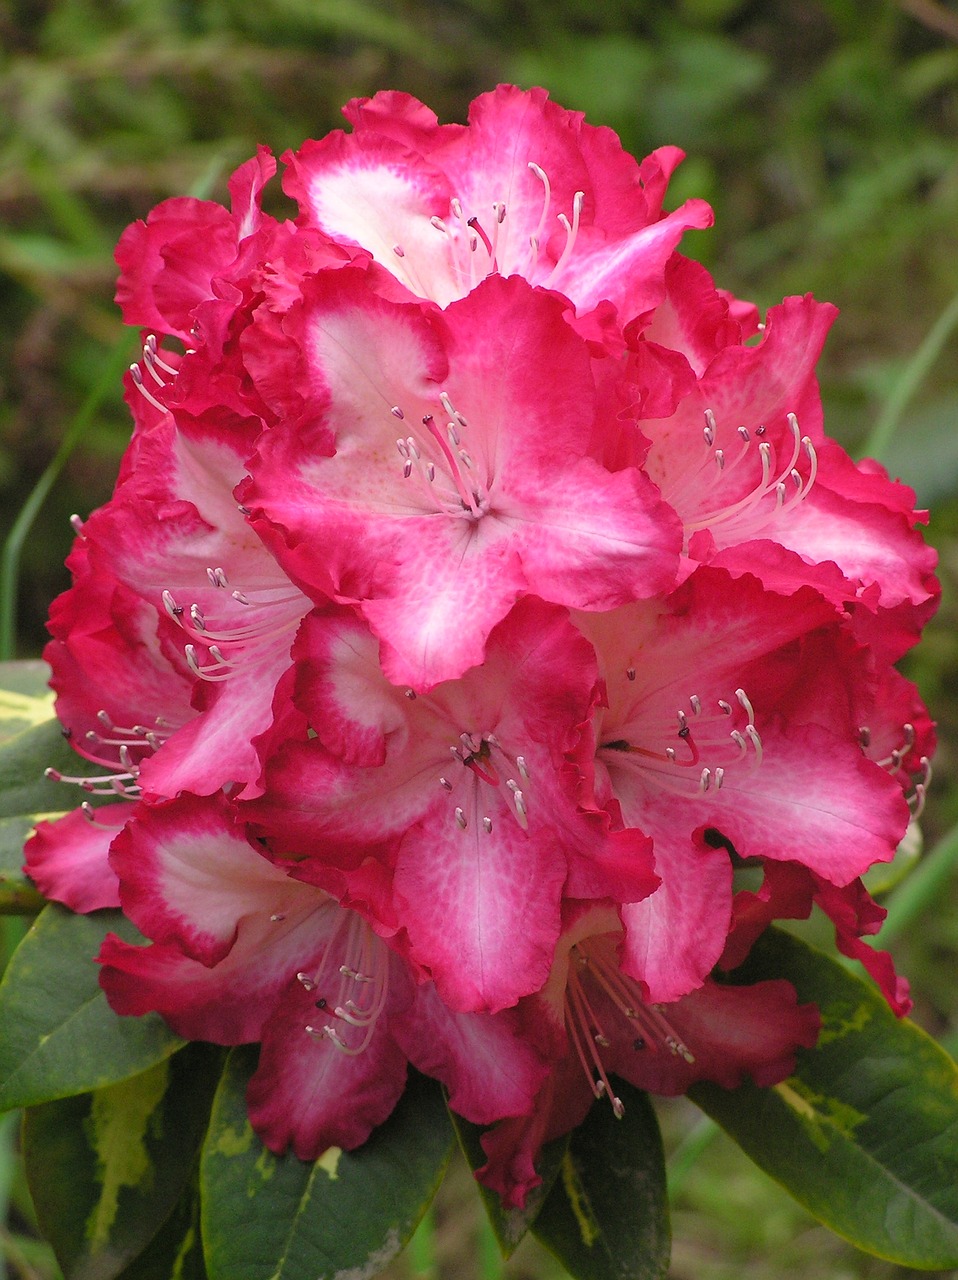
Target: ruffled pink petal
{"type": "Point", "coordinates": [189, 875]}
{"type": "Point", "coordinates": [167, 263]}
{"type": "Point", "coordinates": [376, 193]}
{"type": "Point", "coordinates": [512, 1146]}
{"type": "Point", "coordinates": [674, 937]}
{"type": "Point", "coordinates": [112, 664]}
{"type": "Point", "coordinates": [227, 1004]}
{"type": "Point", "coordinates": [853, 912]}
{"type": "Point", "coordinates": [67, 859]}
{"type": "Point", "coordinates": [503, 513]}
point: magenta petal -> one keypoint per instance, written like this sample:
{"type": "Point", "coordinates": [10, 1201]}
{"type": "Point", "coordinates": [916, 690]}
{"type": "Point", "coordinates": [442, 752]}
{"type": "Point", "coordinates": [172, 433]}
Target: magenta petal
{"type": "Point", "coordinates": [68, 859]}
{"type": "Point", "coordinates": [488, 1070]}
{"type": "Point", "coordinates": [674, 937]}
{"type": "Point", "coordinates": [482, 910]}
{"type": "Point", "coordinates": [731, 1032]}
{"type": "Point", "coordinates": [189, 875]}
{"type": "Point", "coordinates": [222, 1004]}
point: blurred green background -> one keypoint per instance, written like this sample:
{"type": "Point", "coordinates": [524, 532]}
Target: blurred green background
{"type": "Point", "coordinates": [823, 132]}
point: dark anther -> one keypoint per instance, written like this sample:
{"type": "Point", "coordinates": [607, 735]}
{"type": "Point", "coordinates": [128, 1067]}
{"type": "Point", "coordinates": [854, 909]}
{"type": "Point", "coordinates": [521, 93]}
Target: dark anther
{"type": "Point", "coordinates": [321, 1003]}
{"type": "Point", "coordinates": [638, 1043]}
{"type": "Point", "coordinates": [685, 731]}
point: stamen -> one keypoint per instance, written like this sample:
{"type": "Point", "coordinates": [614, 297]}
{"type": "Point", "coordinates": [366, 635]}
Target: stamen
{"type": "Point", "coordinates": [357, 997]}
{"type": "Point", "coordinates": [146, 394]}
{"type": "Point", "coordinates": [572, 231]}
{"type": "Point", "coordinates": [476, 226]}
{"type": "Point", "coordinates": [536, 238]}
{"type": "Point", "coordinates": [594, 962]}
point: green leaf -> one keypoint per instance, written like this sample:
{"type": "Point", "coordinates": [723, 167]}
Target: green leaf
{"type": "Point", "coordinates": [23, 758]}
{"type": "Point", "coordinates": [58, 1035]}
{"type": "Point", "coordinates": [510, 1225]}
{"type": "Point", "coordinates": [865, 1133]}
{"type": "Point", "coordinates": [25, 698]}
{"type": "Point", "coordinates": [106, 1169]}
{"type": "Point", "coordinates": [607, 1217]}
{"type": "Point", "coordinates": [176, 1251]}
{"type": "Point", "coordinates": [268, 1217]}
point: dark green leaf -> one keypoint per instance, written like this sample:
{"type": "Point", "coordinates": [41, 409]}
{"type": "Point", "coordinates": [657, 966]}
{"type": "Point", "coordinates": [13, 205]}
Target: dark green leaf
{"type": "Point", "coordinates": [510, 1225]}
{"type": "Point", "coordinates": [275, 1218]}
{"type": "Point", "coordinates": [23, 758]}
{"type": "Point", "coordinates": [607, 1217]}
{"type": "Point", "coordinates": [106, 1169]}
{"type": "Point", "coordinates": [176, 1251]}
{"type": "Point", "coordinates": [865, 1134]}
{"type": "Point", "coordinates": [58, 1035]}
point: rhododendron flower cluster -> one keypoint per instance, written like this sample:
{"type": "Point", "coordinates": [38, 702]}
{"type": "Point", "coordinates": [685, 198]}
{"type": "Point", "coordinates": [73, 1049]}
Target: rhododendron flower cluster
{"type": "Point", "coordinates": [484, 642]}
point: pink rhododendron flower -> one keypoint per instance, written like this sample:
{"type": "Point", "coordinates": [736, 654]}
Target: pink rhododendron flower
{"type": "Point", "coordinates": [241, 952]}
{"type": "Point", "coordinates": [692, 748]}
{"type": "Point", "coordinates": [526, 188]}
{"type": "Point", "coordinates": [467, 795]}
{"type": "Point", "coordinates": [743, 459]}
{"type": "Point", "coordinates": [480, 593]}
{"type": "Point", "coordinates": [440, 470]}
{"type": "Point", "coordinates": [597, 1023]}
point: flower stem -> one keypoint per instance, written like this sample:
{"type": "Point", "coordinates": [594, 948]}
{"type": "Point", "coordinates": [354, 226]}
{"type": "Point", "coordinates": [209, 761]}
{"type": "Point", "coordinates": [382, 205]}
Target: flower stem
{"type": "Point", "coordinates": [921, 887]}
{"type": "Point", "coordinates": [912, 377]}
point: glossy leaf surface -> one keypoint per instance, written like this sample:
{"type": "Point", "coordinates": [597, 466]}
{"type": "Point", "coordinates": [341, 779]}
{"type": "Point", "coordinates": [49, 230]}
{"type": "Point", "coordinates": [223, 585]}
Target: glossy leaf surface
{"type": "Point", "coordinates": [106, 1169]}
{"type": "Point", "coordinates": [345, 1216]}
{"type": "Point", "coordinates": [865, 1133]}
{"type": "Point", "coordinates": [606, 1217]}
{"type": "Point", "coordinates": [58, 1035]}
